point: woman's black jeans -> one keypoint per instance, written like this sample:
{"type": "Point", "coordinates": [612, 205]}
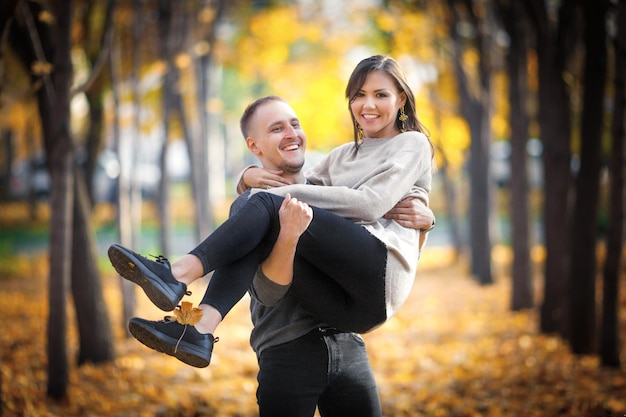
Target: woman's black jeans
{"type": "Point", "coordinates": [339, 269]}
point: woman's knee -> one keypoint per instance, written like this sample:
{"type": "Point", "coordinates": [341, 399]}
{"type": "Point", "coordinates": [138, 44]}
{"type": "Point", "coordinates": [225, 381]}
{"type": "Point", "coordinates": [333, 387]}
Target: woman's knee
{"type": "Point", "coordinates": [271, 201]}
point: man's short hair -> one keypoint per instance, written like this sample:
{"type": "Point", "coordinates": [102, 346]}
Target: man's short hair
{"type": "Point", "coordinates": [244, 122]}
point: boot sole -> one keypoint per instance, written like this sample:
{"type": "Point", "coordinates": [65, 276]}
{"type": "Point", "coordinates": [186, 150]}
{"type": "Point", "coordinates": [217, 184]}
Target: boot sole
{"type": "Point", "coordinates": [184, 352]}
{"type": "Point", "coordinates": [131, 268]}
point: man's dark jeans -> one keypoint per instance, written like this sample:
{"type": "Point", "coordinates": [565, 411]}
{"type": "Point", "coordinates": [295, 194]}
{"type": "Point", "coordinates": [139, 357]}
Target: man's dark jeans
{"type": "Point", "coordinates": [322, 369]}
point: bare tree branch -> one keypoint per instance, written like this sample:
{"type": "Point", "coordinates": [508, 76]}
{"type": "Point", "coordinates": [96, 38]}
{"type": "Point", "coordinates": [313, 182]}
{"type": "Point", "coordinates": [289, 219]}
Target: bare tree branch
{"type": "Point", "coordinates": [105, 49]}
{"type": "Point", "coordinates": [38, 47]}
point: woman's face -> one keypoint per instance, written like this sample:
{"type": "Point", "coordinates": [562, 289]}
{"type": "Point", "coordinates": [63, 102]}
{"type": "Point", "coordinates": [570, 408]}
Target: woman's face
{"type": "Point", "coordinates": [375, 106]}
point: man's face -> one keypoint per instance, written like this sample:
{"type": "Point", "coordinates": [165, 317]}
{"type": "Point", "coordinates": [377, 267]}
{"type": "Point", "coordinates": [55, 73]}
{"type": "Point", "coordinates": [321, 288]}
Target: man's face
{"type": "Point", "coordinates": [277, 138]}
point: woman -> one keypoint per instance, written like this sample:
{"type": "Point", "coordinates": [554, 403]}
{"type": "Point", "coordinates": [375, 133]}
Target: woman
{"type": "Point", "coordinates": [368, 262]}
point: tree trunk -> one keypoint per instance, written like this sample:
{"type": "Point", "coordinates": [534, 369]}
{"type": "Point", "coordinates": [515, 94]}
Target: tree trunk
{"type": "Point", "coordinates": [517, 64]}
{"type": "Point", "coordinates": [124, 228]}
{"type": "Point", "coordinates": [584, 225]}
{"type": "Point", "coordinates": [200, 165]}
{"type": "Point", "coordinates": [88, 302]}
{"type": "Point", "coordinates": [451, 206]}
{"type": "Point", "coordinates": [554, 123]}
{"type": "Point", "coordinates": [97, 48]}
{"type": "Point", "coordinates": [476, 110]}
{"type": "Point", "coordinates": [94, 326]}
{"type": "Point", "coordinates": [136, 197]}
{"type": "Point", "coordinates": [95, 98]}
{"type": "Point", "coordinates": [7, 14]}
{"type": "Point", "coordinates": [609, 342]}
{"type": "Point", "coordinates": [480, 197]}
{"type": "Point", "coordinates": [54, 108]}
{"type": "Point", "coordinates": [7, 146]}
{"type": "Point", "coordinates": [168, 34]}
{"type": "Point", "coordinates": [61, 171]}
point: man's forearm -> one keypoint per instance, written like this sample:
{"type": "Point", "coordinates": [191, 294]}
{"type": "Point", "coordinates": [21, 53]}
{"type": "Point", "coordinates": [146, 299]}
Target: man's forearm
{"type": "Point", "coordinates": [278, 266]}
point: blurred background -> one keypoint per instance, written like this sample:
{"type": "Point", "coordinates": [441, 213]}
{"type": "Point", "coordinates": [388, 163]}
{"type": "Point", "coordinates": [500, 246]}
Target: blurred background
{"type": "Point", "coordinates": [119, 122]}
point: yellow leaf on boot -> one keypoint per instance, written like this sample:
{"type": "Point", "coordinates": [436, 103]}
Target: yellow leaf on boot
{"type": "Point", "coordinates": [187, 314]}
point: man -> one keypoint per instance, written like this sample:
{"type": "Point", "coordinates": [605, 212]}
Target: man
{"type": "Point", "coordinates": [298, 355]}
{"type": "Point", "coordinates": [303, 363]}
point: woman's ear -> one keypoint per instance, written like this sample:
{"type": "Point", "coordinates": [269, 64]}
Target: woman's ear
{"type": "Point", "coordinates": [402, 99]}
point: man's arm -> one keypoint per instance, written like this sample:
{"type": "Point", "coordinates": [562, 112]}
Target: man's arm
{"type": "Point", "coordinates": [412, 213]}
{"type": "Point", "coordinates": [276, 273]}
{"type": "Point", "coordinates": [295, 217]}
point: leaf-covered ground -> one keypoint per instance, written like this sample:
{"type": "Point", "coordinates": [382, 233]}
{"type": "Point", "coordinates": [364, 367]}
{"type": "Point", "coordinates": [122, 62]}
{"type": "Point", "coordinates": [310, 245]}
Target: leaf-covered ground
{"type": "Point", "coordinates": [454, 349]}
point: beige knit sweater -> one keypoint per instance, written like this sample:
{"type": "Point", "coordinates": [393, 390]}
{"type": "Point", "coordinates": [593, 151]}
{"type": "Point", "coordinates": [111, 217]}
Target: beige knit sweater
{"type": "Point", "coordinates": [364, 183]}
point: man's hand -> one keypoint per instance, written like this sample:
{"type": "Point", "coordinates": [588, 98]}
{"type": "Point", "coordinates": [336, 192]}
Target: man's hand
{"type": "Point", "coordinates": [412, 213]}
{"type": "Point", "coordinates": [295, 217]}
{"type": "Point", "coordinates": [255, 177]}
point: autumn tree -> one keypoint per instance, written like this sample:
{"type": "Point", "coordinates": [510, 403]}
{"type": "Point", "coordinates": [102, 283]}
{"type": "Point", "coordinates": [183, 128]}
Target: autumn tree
{"type": "Point", "coordinates": [6, 16]}
{"type": "Point", "coordinates": [609, 336]}
{"type": "Point", "coordinates": [172, 31]}
{"type": "Point", "coordinates": [208, 16]}
{"type": "Point", "coordinates": [464, 57]}
{"type": "Point", "coordinates": [553, 45]}
{"type": "Point", "coordinates": [54, 108]}
{"type": "Point", "coordinates": [129, 197]}
{"type": "Point", "coordinates": [475, 89]}
{"type": "Point", "coordinates": [515, 23]}
{"type": "Point", "coordinates": [94, 325]}
{"type": "Point", "coordinates": [412, 33]}
{"type": "Point", "coordinates": [43, 41]}
{"type": "Point", "coordinates": [583, 232]}
{"type": "Point", "coordinates": [123, 218]}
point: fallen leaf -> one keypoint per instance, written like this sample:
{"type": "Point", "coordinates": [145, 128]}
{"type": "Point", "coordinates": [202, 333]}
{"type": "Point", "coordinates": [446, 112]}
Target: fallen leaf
{"type": "Point", "coordinates": [187, 314]}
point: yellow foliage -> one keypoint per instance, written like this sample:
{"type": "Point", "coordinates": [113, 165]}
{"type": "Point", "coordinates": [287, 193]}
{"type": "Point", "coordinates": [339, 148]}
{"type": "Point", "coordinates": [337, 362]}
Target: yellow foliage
{"type": "Point", "coordinates": [455, 139]}
{"type": "Point", "coordinates": [386, 21]}
{"type": "Point", "coordinates": [47, 17]}
{"type": "Point", "coordinates": [413, 36]}
{"type": "Point", "coordinates": [454, 348]}
{"type": "Point", "coordinates": [41, 67]}
{"type": "Point", "coordinates": [322, 110]}
{"type": "Point", "coordinates": [206, 15]}
{"type": "Point", "coordinates": [470, 59]}
{"type": "Point", "coordinates": [183, 61]}
{"type": "Point", "coordinates": [265, 49]}
{"type": "Point", "coordinates": [201, 48]}
{"type": "Point", "coordinates": [276, 40]}
{"type": "Point", "coordinates": [500, 118]}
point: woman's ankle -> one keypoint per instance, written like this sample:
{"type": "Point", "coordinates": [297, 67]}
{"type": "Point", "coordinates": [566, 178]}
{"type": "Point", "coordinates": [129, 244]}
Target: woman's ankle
{"type": "Point", "coordinates": [211, 318]}
{"type": "Point", "coordinates": [187, 269]}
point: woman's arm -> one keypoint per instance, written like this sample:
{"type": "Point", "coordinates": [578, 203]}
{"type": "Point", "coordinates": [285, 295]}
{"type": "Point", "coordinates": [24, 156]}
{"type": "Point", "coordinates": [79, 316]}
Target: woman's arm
{"type": "Point", "coordinates": [364, 188]}
{"type": "Point", "coordinates": [253, 176]}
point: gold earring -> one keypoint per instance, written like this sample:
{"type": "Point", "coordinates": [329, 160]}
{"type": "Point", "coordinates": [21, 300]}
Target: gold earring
{"type": "Point", "coordinates": [403, 118]}
{"type": "Point", "coordinates": [359, 132]}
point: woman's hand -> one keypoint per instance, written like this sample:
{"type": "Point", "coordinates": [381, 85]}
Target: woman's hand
{"type": "Point", "coordinates": [410, 212]}
{"type": "Point", "coordinates": [255, 177]}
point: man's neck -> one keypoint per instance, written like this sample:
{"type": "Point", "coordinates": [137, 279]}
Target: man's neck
{"type": "Point", "coordinates": [295, 178]}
